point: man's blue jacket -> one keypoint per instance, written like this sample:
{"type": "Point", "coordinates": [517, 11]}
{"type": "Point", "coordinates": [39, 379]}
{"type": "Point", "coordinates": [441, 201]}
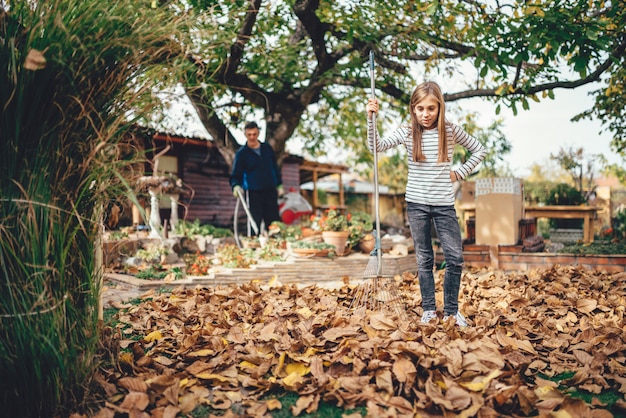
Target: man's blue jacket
{"type": "Point", "coordinates": [254, 172]}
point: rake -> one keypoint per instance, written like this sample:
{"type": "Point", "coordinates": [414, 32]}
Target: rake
{"type": "Point", "coordinates": [378, 292]}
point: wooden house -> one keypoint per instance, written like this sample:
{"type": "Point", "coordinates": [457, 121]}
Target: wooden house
{"type": "Point", "coordinates": [207, 195]}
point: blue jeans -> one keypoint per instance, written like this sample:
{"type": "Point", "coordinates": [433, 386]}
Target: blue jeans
{"type": "Point", "coordinates": [449, 232]}
{"type": "Point", "coordinates": [264, 206]}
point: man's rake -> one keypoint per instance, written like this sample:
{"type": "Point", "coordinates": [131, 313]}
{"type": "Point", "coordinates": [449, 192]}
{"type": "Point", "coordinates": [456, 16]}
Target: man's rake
{"type": "Point", "coordinates": [379, 292]}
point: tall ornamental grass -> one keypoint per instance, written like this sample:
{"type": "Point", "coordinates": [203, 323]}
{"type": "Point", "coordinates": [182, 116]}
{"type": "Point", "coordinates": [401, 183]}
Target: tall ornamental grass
{"type": "Point", "coordinates": [70, 71]}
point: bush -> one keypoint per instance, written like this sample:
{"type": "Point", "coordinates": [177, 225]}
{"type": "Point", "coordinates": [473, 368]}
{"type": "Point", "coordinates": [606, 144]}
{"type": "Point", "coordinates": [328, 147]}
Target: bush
{"type": "Point", "coordinates": [564, 194]}
{"type": "Point", "coordinates": [190, 229]}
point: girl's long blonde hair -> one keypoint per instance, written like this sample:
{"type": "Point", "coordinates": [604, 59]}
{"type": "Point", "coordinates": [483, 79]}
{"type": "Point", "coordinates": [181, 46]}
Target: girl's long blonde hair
{"type": "Point", "coordinates": [421, 91]}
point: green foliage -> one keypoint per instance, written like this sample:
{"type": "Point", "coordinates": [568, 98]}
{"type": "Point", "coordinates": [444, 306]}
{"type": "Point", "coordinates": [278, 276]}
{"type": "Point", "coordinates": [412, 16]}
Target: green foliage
{"type": "Point", "coordinates": [157, 272]}
{"type": "Point", "coordinates": [605, 397]}
{"type": "Point", "coordinates": [152, 252]}
{"type": "Point", "coordinates": [492, 138]}
{"type": "Point", "coordinates": [564, 194]}
{"type": "Point", "coordinates": [231, 256]}
{"type": "Point", "coordinates": [282, 231]}
{"type": "Point", "coordinates": [197, 264]}
{"type": "Point", "coordinates": [357, 224]}
{"type": "Point", "coordinates": [536, 192]}
{"type": "Point", "coordinates": [543, 178]}
{"type": "Point", "coordinates": [393, 170]}
{"type": "Point", "coordinates": [303, 65]}
{"type": "Point", "coordinates": [619, 224]}
{"type": "Point", "coordinates": [269, 252]}
{"type": "Point", "coordinates": [312, 244]}
{"type": "Point", "coordinates": [72, 69]}
{"type": "Point", "coordinates": [596, 247]}
{"type": "Point", "coordinates": [190, 229]}
{"type": "Point", "coordinates": [360, 223]}
{"type": "Point", "coordinates": [610, 100]}
{"type": "Point", "coordinates": [332, 220]}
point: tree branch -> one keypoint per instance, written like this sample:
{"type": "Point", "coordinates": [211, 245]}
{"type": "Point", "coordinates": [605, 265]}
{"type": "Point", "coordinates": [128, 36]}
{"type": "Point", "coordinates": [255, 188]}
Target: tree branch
{"type": "Point", "coordinates": [222, 137]}
{"type": "Point", "coordinates": [243, 37]}
{"type": "Point", "coordinates": [571, 84]}
{"type": "Point", "coordinates": [305, 10]}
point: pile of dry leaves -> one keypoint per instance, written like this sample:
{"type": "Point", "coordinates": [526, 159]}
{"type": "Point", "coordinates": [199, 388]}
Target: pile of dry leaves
{"type": "Point", "coordinates": [228, 348]}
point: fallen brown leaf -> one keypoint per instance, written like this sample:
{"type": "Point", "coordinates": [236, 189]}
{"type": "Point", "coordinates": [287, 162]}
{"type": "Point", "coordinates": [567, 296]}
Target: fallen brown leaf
{"type": "Point", "coordinates": [230, 347]}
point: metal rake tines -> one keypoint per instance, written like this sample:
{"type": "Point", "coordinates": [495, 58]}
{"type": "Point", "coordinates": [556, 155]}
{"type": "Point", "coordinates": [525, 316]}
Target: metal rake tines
{"type": "Point", "coordinates": [371, 270]}
{"type": "Point", "coordinates": [380, 294]}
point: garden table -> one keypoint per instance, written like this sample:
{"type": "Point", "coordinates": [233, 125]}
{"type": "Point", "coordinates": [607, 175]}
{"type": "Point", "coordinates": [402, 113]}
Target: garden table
{"type": "Point", "coordinates": [587, 213]}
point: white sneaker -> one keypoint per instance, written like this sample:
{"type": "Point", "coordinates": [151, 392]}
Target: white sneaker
{"type": "Point", "coordinates": [428, 315]}
{"type": "Point", "coordinates": [459, 318]}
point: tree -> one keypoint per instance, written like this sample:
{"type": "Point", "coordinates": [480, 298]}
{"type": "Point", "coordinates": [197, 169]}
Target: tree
{"type": "Point", "coordinates": [303, 63]}
{"type": "Point", "coordinates": [579, 165]}
{"type": "Point", "coordinates": [543, 178]}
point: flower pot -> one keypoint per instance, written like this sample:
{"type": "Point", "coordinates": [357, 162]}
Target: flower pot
{"type": "Point", "coordinates": [309, 252]}
{"type": "Point", "coordinates": [338, 239]}
{"type": "Point", "coordinates": [367, 243]}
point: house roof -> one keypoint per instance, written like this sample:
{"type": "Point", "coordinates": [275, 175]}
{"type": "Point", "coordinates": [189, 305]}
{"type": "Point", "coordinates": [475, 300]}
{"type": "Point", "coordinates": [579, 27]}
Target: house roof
{"type": "Point", "coordinates": [307, 167]}
{"type": "Point", "coordinates": [351, 184]}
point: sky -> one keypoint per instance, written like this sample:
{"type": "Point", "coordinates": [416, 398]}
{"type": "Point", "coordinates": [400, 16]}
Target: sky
{"type": "Point", "coordinates": [546, 127]}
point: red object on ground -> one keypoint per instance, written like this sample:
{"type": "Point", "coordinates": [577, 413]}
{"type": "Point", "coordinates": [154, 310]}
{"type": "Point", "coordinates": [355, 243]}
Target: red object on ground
{"type": "Point", "coordinates": [291, 206]}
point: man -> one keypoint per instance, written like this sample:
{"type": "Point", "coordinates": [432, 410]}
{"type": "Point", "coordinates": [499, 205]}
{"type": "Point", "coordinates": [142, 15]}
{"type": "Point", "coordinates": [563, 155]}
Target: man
{"type": "Point", "coordinates": [255, 170]}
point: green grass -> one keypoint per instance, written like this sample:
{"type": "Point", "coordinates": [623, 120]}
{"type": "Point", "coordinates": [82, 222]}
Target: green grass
{"type": "Point", "coordinates": [607, 397]}
{"type": "Point", "coordinates": [287, 399]}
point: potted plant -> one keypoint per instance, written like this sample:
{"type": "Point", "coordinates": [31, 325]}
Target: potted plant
{"type": "Point", "coordinates": [308, 247]}
{"type": "Point", "coordinates": [359, 226]}
{"type": "Point", "coordinates": [334, 227]}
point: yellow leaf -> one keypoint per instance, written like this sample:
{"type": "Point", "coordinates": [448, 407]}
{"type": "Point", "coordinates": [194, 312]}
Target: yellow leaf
{"type": "Point", "coordinates": [206, 352]}
{"type": "Point", "coordinates": [247, 365]}
{"type": "Point", "coordinates": [292, 379]}
{"type": "Point", "coordinates": [281, 364]}
{"type": "Point", "coordinates": [543, 391]}
{"type": "Point", "coordinates": [213, 376]}
{"type": "Point", "coordinates": [126, 358]}
{"type": "Point", "coordinates": [297, 368]}
{"type": "Point", "coordinates": [153, 336]}
{"type": "Point", "coordinates": [274, 282]}
{"type": "Point", "coordinates": [481, 382]}
{"type": "Point", "coordinates": [474, 386]}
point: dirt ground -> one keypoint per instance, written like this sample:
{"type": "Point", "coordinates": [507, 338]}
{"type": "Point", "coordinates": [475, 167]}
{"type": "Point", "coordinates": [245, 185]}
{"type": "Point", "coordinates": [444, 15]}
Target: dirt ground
{"type": "Point", "coordinates": [118, 293]}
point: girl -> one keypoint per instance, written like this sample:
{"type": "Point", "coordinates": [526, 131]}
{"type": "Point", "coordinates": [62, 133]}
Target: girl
{"type": "Point", "coordinates": [429, 141]}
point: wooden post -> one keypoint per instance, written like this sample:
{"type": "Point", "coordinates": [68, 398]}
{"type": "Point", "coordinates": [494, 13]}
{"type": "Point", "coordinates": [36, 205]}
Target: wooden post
{"type": "Point", "coordinates": [315, 198]}
{"type": "Point", "coordinates": [342, 199]}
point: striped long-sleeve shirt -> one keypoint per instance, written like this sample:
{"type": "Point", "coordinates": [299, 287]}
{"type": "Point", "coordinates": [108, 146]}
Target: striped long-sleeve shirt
{"type": "Point", "coordinates": [429, 181]}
